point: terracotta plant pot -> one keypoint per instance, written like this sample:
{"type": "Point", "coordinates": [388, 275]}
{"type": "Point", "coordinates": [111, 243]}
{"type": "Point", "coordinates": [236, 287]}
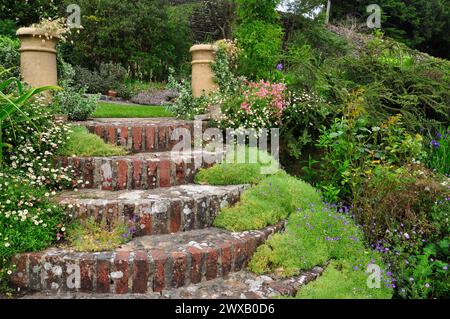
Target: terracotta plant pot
{"type": "Point", "coordinates": [112, 93]}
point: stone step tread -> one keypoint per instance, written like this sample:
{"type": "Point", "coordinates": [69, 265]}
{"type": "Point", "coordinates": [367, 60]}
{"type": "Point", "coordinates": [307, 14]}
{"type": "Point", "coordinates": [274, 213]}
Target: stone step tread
{"type": "Point", "coordinates": [150, 121]}
{"type": "Point", "coordinates": [91, 196]}
{"type": "Point", "coordinates": [153, 212]}
{"type": "Point", "coordinates": [175, 155]}
{"type": "Point", "coordinates": [151, 263]}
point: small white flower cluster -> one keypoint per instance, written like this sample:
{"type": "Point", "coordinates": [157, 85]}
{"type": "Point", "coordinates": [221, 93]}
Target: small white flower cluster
{"type": "Point", "coordinates": [35, 145]}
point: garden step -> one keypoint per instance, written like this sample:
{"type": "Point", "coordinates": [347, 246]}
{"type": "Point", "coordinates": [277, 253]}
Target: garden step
{"type": "Point", "coordinates": [138, 171]}
{"type": "Point", "coordinates": [154, 212]}
{"type": "Point", "coordinates": [139, 135]}
{"type": "Point", "coordinates": [150, 263]}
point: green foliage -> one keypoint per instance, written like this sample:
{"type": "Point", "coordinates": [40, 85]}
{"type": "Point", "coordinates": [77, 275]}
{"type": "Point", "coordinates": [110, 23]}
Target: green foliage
{"type": "Point", "coordinates": [110, 76]}
{"type": "Point", "coordinates": [89, 235]}
{"type": "Point", "coordinates": [11, 112]}
{"type": "Point", "coordinates": [75, 103]}
{"type": "Point", "coordinates": [25, 13]}
{"type": "Point", "coordinates": [186, 105]}
{"type": "Point", "coordinates": [213, 20]}
{"type": "Point", "coordinates": [259, 37]}
{"type": "Point", "coordinates": [404, 215]}
{"type": "Point", "coordinates": [114, 110]}
{"type": "Point", "coordinates": [352, 148]}
{"type": "Point", "coordinates": [82, 143]}
{"type": "Point", "coordinates": [28, 220]}
{"type": "Point", "coordinates": [7, 28]}
{"type": "Point", "coordinates": [9, 56]}
{"type": "Point", "coordinates": [267, 203]}
{"type": "Point", "coordinates": [143, 36]}
{"type": "Point", "coordinates": [315, 235]}
{"type": "Point", "coordinates": [439, 152]}
{"type": "Point", "coordinates": [421, 24]}
{"type": "Point", "coordinates": [232, 172]}
{"type": "Point", "coordinates": [341, 281]}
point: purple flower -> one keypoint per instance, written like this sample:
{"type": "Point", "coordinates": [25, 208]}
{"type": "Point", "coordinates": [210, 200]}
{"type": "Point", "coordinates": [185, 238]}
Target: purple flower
{"type": "Point", "coordinates": [435, 144]}
{"type": "Point", "coordinates": [427, 285]}
{"type": "Point", "coordinates": [280, 67]}
{"type": "Point", "coordinates": [411, 279]}
{"type": "Point", "coordinates": [445, 267]}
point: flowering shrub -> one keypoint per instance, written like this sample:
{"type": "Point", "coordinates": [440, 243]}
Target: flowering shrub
{"type": "Point", "coordinates": [259, 105]}
{"type": "Point", "coordinates": [34, 143]}
{"type": "Point", "coordinates": [404, 215]}
{"type": "Point", "coordinates": [305, 113]}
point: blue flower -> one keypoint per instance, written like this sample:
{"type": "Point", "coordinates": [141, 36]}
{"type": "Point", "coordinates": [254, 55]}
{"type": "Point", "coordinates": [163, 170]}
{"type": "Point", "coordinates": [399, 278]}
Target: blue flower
{"type": "Point", "coordinates": [280, 67]}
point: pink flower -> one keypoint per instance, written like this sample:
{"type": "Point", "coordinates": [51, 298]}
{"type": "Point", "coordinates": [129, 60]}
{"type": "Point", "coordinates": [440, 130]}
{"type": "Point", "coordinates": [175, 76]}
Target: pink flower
{"type": "Point", "coordinates": [244, 106]}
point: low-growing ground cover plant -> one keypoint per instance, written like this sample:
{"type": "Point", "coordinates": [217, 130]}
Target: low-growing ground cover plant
{"type": "Point", "coordinates": [267, 203]}
{"type": "Point", "coordinates": [236, 168]}
{"type": "Point", "coordinates": [83, 143]}
{"type": "Point", "coordinates": [320, 235]}
{"type": "Point", "coordinates": [90, 235]}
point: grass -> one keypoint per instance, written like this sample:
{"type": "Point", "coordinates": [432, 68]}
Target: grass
{"type": "Point", "coordinates": [267, 203]}
{"type": "Point", "coordinates": [112, 110]}
{"type": "Point", "coordinates": [88, 235]}
{"type": "Point", "coordinates": [83, 143]}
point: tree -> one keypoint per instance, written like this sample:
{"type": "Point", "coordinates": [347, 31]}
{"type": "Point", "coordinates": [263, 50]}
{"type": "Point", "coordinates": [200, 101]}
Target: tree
{"type": "Point", "coordinates": [213, 20]}
{"type": "Point", "coordinates": [421, 24]}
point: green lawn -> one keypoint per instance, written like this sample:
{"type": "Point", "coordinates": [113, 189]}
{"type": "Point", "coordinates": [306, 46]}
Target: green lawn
{"type": "Point", "coordinates": [122, 110]}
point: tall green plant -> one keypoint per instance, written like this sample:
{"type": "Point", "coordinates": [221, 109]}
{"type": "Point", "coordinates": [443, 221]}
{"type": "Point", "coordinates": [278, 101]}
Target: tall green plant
{"type": "Point", "coordinates": [259, 36]}
{"type": "Point", "coordinates": [10, 106]}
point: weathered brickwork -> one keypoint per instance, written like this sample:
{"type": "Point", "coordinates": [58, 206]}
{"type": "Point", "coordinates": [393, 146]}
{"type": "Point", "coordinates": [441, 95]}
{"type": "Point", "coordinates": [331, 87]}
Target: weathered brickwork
{"type": "Point", "coordinates": [140, 171]}
{"type": "Point", "coordinates": [154, 212]}
{"type": "Point", "coordinates": [150, 263]}
{"type": "Point", "coordinates": [139, 135]}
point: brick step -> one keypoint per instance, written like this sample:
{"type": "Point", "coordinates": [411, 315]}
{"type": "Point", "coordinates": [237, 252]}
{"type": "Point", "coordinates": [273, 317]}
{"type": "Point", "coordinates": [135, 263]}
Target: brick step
{"type": "Point", "coordinates": [139, 135]}
{"type": "Point", "coordinates": [138, 171]}
{"type": "Point", "coordinates": [153, 212]}
{"type": "Point", "coordinates": [150, 263]}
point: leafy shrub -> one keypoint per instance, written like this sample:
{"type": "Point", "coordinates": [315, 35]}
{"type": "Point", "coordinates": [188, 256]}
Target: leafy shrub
{"type": "Point", "coordinates": [28, 219]}
{"type": "Point", "coordinates": [82, 143]}
{"type": "Point", "coordinates": [75, 103]}
{"type": "Point", "coordinates": [109, 34]}
{"type": "Point", "coordinates": [7, 28]}
{"type": "Point", "coordinates": [110, 76]}
{"type": "Point", "coordinates": [302, 118]}
{"type": "Point", "coordinates": [9, 55]}
{"type": "Point", "coordinates": [224, 66]}
{"type": "Point", "coordinates": [352, 147]}
{"type": "Point", "coordinates": [259, 37]}
{"type": "Point", "coordinates": [186, 105]}
{"type": "Point", "coordinates": [89, 235]}
{"type": "Point", "coordinates": [404, 215]}
{"type": "Point", "coordinates": [267, 203]}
